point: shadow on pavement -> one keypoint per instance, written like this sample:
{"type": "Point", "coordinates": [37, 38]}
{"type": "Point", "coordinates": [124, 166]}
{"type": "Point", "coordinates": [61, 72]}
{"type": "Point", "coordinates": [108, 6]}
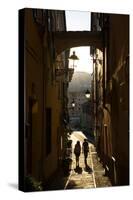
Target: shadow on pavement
{"type": "Point", "coordinates": [78, 170]}
{"type": "Point", "coordinates": [88, 169]}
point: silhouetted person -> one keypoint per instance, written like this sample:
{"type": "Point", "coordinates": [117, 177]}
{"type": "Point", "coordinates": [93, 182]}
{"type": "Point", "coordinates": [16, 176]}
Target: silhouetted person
{"type": "Point", "coordinates": [85, 148]}
{"type": "Point", "coordinates": [77, 150]}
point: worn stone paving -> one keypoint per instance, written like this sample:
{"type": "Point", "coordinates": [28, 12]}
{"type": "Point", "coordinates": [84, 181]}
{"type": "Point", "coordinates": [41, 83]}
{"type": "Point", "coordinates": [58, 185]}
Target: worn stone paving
{"type": "Point", "coordinates": [87, 178]}
{"type": "Point", "coordinates": [82, 178]}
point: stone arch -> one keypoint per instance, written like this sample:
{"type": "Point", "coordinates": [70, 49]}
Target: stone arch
{"type": "Point", "coordinates": [67, 39]}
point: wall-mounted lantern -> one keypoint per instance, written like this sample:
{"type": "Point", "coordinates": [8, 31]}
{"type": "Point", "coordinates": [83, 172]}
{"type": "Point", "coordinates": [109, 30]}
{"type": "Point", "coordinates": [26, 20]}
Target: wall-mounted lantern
{"type": "Point", "coordinates": [73, 57]}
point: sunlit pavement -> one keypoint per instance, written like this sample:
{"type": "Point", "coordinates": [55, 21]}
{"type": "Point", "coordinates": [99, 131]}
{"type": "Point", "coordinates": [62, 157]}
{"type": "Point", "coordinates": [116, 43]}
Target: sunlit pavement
{"type": "Point", "coordinates": [90, 177]}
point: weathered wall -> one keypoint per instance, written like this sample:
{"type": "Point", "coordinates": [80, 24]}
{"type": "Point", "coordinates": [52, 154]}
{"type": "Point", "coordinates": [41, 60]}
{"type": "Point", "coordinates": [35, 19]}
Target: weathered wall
{"type": "Point", "coordinates": [34, 75]}
{"type": "Point", "coordinates": [119, 52]}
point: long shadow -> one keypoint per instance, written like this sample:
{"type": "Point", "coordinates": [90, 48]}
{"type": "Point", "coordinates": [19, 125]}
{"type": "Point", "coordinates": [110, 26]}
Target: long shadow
{"type": "Point", "coordinates": [78, 170]}
{"type": "Point", "coordinates": [88, 169]}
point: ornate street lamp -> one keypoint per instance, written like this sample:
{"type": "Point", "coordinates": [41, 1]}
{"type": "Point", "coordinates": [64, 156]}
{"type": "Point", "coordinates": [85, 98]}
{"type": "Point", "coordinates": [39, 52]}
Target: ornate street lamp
{"type": "Point", "coordinates": [87, 94]}
{"type": "Point", "coordinates": [73, 57]}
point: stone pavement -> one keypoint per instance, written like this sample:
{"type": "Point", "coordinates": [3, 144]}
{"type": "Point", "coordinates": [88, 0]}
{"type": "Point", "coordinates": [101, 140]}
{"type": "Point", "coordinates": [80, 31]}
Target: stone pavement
{"type": "Point", "coordinates": [82, 177]}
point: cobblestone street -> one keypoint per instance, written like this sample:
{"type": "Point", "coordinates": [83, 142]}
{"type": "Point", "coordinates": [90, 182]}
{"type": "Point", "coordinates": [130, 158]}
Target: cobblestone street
{"type": "Point", "coordinates": [82, 178]}
{"type": "Point", "coordinates": [91, 177]}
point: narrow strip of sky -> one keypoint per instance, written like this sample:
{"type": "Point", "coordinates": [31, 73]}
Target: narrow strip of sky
{"type": "Point", "coordinates": [80, 21]}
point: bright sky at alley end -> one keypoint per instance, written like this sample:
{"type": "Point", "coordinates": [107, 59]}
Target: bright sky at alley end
{"type": "Point", "coordinates": [80, 21]}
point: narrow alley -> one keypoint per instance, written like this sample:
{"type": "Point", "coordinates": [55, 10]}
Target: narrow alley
{"type": "Point", "coordinates": [82, 178]}
{"type": "Point", "coordinates": [74, 82]}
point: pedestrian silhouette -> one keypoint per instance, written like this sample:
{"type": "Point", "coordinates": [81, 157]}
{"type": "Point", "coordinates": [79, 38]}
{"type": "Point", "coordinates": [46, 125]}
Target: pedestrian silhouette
{"type": "Point", "coordinates": [85, 148]}
{"type": "Point", "coordinates": [77, 150]}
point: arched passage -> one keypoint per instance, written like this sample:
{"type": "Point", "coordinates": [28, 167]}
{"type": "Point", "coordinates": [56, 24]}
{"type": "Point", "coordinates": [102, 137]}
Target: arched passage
{"type": "Point", "coordinates": [67, 39]}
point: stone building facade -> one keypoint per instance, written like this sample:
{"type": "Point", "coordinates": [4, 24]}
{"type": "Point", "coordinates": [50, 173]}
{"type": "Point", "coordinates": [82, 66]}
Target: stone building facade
{"type": "Point", "coordinates": [45, 77]}
{"type": "Point", "coordinates": [111, 94]}
{"type": "Point", "coordinates": [81, 115]}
